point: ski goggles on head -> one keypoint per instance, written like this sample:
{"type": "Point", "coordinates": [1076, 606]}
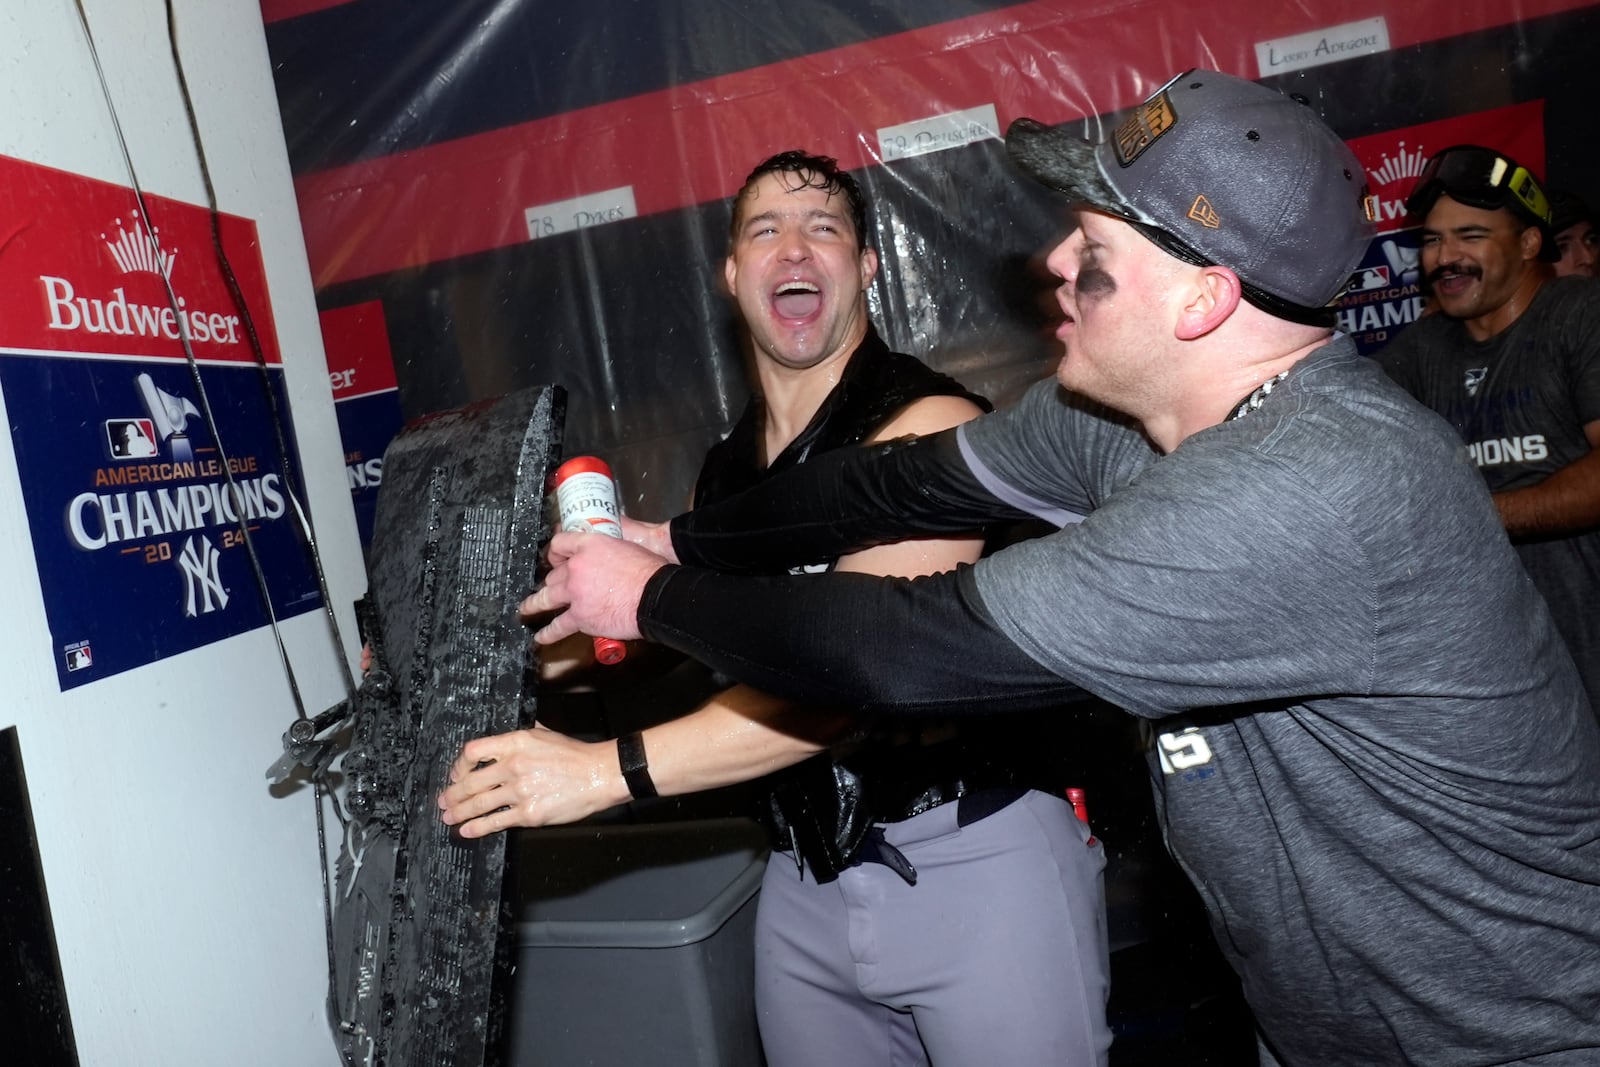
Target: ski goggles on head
{"type": "Point", "coordinates": [1482, 178]}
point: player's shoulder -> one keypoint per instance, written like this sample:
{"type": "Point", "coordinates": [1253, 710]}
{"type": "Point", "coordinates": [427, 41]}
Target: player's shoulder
{"type": "Point", "coordinates": [1571, 296]}
{"type": "Point", "coordinates": [930, 414]}
{"type": "Point", "coordinates": [1429, 337]}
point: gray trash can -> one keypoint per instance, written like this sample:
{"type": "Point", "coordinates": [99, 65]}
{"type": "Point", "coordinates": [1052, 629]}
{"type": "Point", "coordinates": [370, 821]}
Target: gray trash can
{"type": "Point", "coordinates": [633, 945]}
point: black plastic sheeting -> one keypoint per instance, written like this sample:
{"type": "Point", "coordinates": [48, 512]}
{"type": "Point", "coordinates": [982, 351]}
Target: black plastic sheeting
{"type": "Point", "coordinates": [432, 70]}
{"type": "Point", "coordinates": [651, 354]}
{"type": "Point", "coordinates": [630, 317]}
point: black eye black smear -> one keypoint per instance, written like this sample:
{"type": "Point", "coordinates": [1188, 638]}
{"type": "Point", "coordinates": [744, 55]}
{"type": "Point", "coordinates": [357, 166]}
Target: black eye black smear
{"type": "Point", "coordinates": [1096, 283]}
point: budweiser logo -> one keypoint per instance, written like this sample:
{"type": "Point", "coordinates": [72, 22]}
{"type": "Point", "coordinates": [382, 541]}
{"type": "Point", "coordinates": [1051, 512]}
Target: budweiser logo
{"type": "Point", "coordinates": [116, 314]}
{"type": "Point", "coordinates": [1393, 179]}
{"type": "Point", "coordinates": [1400, 166]}
{"type": "Point", "coordinates": [139, 251]}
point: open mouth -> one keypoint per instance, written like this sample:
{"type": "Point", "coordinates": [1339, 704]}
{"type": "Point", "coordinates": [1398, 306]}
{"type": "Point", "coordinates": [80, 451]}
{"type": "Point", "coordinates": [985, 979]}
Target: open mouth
{"type": "Point", "coordinates": [1451, 278]}
{"type": "Point", "coordinates": [1065, 316]}
{"type": "Point", "coordinates": [1453, 282]}
{"type": "Point", "coordinates": [796, 300]}
{"type": "Point", "coordinates": [1065, 327]}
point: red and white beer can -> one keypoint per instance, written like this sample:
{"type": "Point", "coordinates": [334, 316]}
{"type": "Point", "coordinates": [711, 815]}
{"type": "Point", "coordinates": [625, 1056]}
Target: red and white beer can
{"type": "Point", "coordinates": [586, 502]}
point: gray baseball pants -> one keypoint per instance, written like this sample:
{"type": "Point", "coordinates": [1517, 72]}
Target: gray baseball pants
{"type": "Point", "coordinates": [998, 955]}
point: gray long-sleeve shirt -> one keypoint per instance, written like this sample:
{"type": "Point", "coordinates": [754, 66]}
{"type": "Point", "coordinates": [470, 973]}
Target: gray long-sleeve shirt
{"type": "Point", "coordinates": [1373, 754]}
{"type": "Point", "coordinates": [1374, 758]}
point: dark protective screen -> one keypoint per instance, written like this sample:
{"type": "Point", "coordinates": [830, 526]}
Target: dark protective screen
{"type": "Point", "coordinates": [418, 921]}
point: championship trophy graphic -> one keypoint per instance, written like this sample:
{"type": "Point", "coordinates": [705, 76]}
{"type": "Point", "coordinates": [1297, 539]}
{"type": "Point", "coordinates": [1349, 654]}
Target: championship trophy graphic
{"type": "Point", "coordinates": [171, 416]}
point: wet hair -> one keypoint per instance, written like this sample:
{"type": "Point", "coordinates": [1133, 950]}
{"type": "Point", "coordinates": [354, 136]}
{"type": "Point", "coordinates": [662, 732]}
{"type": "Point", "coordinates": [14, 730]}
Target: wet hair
{"type": "Point", "coordinates": [809, 172]}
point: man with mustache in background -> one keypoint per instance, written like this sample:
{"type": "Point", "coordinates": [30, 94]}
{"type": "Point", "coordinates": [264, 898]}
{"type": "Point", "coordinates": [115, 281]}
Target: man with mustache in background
{"type": "Point", "coordinates": [1512, 360]}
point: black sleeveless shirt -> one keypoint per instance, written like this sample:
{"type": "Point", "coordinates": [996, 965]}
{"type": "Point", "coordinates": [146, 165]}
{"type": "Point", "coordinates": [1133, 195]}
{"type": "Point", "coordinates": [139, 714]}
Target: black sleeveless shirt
{"type": "Point", "coordinates": [822, 808]}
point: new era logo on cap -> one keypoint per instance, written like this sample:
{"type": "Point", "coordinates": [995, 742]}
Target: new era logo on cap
{"type": "Point", "coordinates": [1202, 212]}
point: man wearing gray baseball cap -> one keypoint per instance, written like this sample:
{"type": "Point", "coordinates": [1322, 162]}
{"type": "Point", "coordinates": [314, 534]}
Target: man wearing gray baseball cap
{"type": "Point", "coordinates": [1370, 751]}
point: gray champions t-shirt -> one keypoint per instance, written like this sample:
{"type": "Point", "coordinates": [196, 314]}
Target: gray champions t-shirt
{"type": "Point", "coordinates": [1520, 401]}
{"type": "Point", "coordinates": [1372, 754]}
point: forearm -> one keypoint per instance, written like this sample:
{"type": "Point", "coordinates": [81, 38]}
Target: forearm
{"type": "Point", "coordinates": [1566, 503]}
{"type": "Point", "coordinates": [537, 777]}
{"type": "Point", "coordinates": [738, 735]}
{"type": "Point", "coordinates": [859, 643]}
{"type": "Point", "coordinates": [837, 503]}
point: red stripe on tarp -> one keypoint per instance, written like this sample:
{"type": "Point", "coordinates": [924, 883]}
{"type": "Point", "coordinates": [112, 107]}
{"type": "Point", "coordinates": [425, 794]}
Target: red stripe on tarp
{"type": "Point", "coordinates": [278, 10]}
{"type": "Point", "coordinates": [694, 143]}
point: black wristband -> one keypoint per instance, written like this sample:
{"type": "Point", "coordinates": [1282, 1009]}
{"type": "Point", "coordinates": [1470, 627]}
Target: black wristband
{"type": "Point", "coordinates": [635, 768]}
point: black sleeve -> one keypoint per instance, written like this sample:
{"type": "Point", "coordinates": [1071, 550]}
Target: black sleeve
{"type": "Point", "coordinates": [851, 641]}
{"type": "Point", "coordinates": [838, 502]}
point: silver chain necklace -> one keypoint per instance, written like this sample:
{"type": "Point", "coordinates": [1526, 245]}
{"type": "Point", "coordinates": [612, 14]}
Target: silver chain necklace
{"type": "Point", "coordinates": [1255, 399]}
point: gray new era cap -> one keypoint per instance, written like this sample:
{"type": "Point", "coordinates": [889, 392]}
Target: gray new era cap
{"type": "Point", "coordinates": [1235, 172]}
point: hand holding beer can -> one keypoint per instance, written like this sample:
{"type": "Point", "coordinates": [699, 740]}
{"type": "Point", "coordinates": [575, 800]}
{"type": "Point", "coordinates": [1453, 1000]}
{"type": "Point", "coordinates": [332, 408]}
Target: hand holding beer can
{"type": "Point", "coordinates": [586, 502]}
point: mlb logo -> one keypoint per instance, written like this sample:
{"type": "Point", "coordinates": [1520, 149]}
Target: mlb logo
{"type": "Point", "coordinates": [79, 657]}
{"type": "Point", "coordinates": [1370, 278]}
{"type": "Point", "coordinates": [131, 438]}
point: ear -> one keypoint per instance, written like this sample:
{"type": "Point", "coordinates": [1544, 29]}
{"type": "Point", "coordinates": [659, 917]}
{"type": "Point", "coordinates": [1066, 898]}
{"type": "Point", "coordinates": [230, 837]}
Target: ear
{"type": "Point", "coordinates": [1214, 296]}
{"type": "Point", "coordinates": [1531, 240]}
{"type": "Point", "coordinates": [730, 274]}
{"type": "Point", "coordinates": [869, 266]}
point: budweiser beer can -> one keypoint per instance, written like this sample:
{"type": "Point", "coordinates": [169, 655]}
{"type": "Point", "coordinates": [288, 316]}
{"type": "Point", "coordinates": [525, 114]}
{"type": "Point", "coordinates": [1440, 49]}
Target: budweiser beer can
{"type": "Point", "coordinates": [586, 502]}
